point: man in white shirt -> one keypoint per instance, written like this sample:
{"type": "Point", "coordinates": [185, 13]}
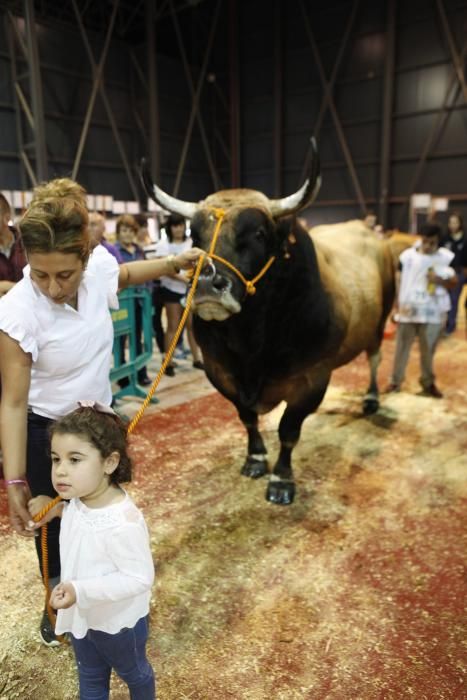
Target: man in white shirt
{"type": "Point", "coordinates": [422, 302]}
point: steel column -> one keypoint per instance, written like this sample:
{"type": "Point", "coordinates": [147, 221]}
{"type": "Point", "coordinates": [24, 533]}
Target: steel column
{"type": "Point", "coordinates": [234, 95]}
{"type": "Point", "coordinates": [195, 100]}
{"type": "Point", "coordinates": [153, 93]}
{"type": "Point", "coordinates": [14, 81]}
{"type": "Point", "coordinates": [97, 77]}
{"type": "Point", "coordinates": [385, 172]}
{"type": "Point", "coordinates": [450, 99]}
{"type": "Point", "coordinates": [106, 103]}
{"type": "Point", "coordinates": [337, 124]}
{"type": "Point", "coordinates": [331, 83]}
{"type": "Point", "coordinates": [36, 92]}
{"type": "Point", "coordinates": [456, 60]}
{"type": "Point", "coordinates": [278, 99]}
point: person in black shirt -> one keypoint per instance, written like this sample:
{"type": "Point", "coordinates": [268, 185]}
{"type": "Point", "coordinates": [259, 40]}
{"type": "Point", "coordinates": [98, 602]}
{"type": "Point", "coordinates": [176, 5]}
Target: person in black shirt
{"type": "Point", "coordinates": [456, 241]}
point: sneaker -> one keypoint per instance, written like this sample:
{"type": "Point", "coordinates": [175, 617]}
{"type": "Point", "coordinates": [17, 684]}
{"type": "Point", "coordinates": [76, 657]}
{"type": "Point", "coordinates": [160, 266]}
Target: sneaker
{"type": "Point", "coordinates": [170, 371]}
{"type": "Point", "coordinates": [46, 631]}
{"type": "Point", "coordinates": [197, 364]}
{"type": "Point", "coordinates": [433, 391]}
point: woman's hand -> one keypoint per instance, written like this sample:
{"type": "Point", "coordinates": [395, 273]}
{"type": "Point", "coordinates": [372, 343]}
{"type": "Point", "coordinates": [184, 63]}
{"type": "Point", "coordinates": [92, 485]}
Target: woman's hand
{"type": "Point", "coordinates": [35, 505]}
{"type": "Point", "coordinates": [18, 497]}
{"type": "Point", "coordinates": [188, 259]}
{"type": "Point", "coordinates": [63, 596]}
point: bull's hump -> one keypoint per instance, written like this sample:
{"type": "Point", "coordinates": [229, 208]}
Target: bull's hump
{"type": "Point", "coordinates": [228, 199]}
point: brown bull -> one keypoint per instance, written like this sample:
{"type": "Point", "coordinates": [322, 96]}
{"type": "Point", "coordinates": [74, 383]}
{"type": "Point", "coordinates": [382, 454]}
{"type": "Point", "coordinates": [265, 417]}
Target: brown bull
{"type": "Point", "coordinates": [322, 301]}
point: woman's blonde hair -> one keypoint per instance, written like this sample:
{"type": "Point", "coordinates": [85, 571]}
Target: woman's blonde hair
{"type": "Point", "coordinates": [57, 219]}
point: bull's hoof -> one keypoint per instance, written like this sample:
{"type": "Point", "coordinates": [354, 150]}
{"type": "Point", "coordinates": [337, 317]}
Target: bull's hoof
{"type": "Point", "coordinates": [370, 406]}
{"type": "Point", "coordinates": [282, 493]}
{"type": "Point", "coordinates": [255, 468]}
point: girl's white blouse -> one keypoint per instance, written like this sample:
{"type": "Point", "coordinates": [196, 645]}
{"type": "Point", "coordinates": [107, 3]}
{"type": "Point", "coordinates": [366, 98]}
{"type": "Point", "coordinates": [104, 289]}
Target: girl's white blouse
{"type": "Point", "coordinates": [105, 553]}
{"type": "Point", "coordinates": [71, 349]}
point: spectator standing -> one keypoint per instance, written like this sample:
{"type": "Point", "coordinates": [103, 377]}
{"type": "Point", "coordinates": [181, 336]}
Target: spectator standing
{"type": "Point", "coordinates": [456, 242]}
{"type": "Point", "coordinates": [12, 254]}
{"type": "Point", "coordinates": [422, 302]}
{"type": "Point", "coordinates": [150, 252]}
{"type": "Point", "coordinates": [142, 237]}
{"type": "Point", "coordinates": [97, 235]}
{"type": "Point", "coordinates": [125, 229]}
{"type": "Point", "coordinates": [174, 287]}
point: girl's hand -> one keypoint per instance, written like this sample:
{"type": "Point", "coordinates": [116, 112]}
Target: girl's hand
{"type": "Point", "coordinates": [188, 259]}
{"type": "Point", "coordinates": [35, 505]}
{"type": "Point", "coordinates": [63, 596]}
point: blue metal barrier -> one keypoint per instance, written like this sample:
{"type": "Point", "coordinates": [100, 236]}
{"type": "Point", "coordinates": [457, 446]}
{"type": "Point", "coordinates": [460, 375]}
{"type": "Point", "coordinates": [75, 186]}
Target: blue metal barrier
{"type": "Point", "coordinates": [124, 323]}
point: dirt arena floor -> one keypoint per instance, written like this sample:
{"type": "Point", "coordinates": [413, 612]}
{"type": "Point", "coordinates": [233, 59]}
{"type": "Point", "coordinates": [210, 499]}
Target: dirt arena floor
{"type": "Point", "coordinates": [355, 592]}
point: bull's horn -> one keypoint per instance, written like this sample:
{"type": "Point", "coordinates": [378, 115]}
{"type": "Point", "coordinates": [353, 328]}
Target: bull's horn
{"type": "Point", "coordinates": [306, 193]}
{"type": "Point", "coordinates": [172, 204]}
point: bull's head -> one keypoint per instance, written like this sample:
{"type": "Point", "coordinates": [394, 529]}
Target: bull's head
{"type": "Point", "coordinates": [247, 240]}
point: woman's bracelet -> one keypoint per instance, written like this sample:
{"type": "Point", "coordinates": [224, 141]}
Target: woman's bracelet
{"type": "Point", "coordinates": [171, 260]}
{"type": "Point", "coordinates": [11, 482]}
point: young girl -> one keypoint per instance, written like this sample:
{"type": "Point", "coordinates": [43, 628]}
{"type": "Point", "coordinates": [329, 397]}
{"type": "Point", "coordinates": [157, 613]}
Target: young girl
{"type": "Point", "coordinates": [106, 564]}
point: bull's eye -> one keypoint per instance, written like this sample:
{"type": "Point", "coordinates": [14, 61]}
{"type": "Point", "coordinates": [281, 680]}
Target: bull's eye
{"type": "Point", "coordinates": [260, 234]}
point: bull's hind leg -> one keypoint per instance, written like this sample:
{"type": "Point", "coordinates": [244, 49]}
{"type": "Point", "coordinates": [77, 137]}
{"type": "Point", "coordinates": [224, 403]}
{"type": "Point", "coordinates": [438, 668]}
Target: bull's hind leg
{"type": "Point", "coordinates": [371, 399]}
{"type": "Point", "coordinates": [256, 463]}
{"type": "Point", "coordinates": [281, 486]}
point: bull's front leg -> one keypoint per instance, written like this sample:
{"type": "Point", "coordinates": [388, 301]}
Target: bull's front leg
{"type": "Point", "coordinates": [256, 463]}
{"type": "Point", "coordinates": [371, 399]}
{"type": "Point", "coordinates": [281, 486]}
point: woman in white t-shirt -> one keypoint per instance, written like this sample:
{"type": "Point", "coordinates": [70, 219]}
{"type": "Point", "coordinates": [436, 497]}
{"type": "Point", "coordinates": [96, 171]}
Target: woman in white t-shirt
{"type": "Point", "coordinates": [56, 338]}
{"type": "Point", "coordinates": [174, 287]}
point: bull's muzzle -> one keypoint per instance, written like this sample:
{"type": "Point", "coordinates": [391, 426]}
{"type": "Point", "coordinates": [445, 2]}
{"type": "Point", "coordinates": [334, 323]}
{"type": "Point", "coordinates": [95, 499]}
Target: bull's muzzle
{"type": "Point", "coordinates": [213, 299]}
{"type": "Point", "coordinates": [212, 284]}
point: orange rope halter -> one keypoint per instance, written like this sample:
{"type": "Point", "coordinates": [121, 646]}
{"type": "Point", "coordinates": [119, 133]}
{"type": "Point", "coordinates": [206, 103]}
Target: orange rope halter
{"type": "Point", "coordinates": [249, 284]}
{"type": "Point", "coordinates": [250, 289]}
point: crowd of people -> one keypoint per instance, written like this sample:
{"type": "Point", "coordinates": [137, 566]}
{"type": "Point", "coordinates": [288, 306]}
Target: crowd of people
{"type": "Point", "coordinates": [59, 276]}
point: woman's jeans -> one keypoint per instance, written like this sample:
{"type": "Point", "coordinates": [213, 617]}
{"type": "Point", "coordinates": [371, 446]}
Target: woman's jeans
{"type": "Point", "coordinates": [39, 476]}
{"type": "Point", "coordinates": [125, 652]}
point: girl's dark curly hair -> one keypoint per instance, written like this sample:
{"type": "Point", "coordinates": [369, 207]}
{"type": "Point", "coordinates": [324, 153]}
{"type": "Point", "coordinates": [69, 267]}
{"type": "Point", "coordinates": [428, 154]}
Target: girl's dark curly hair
{"type": "Point", "coordinates": [106, 432]}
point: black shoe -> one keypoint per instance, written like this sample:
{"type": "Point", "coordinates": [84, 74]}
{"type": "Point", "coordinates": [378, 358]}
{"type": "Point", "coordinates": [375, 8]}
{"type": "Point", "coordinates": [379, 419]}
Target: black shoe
{"type": "Point", "coordinates": [433, 391]}
{"type": "Point", "coordinates": [144, 381]}
{"type": "Point", "coordinates": [170, 371]}
{"type": "Point", "coordinates": [46, 632]}
{"type": "Point", "coordinates": [197, 364]}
